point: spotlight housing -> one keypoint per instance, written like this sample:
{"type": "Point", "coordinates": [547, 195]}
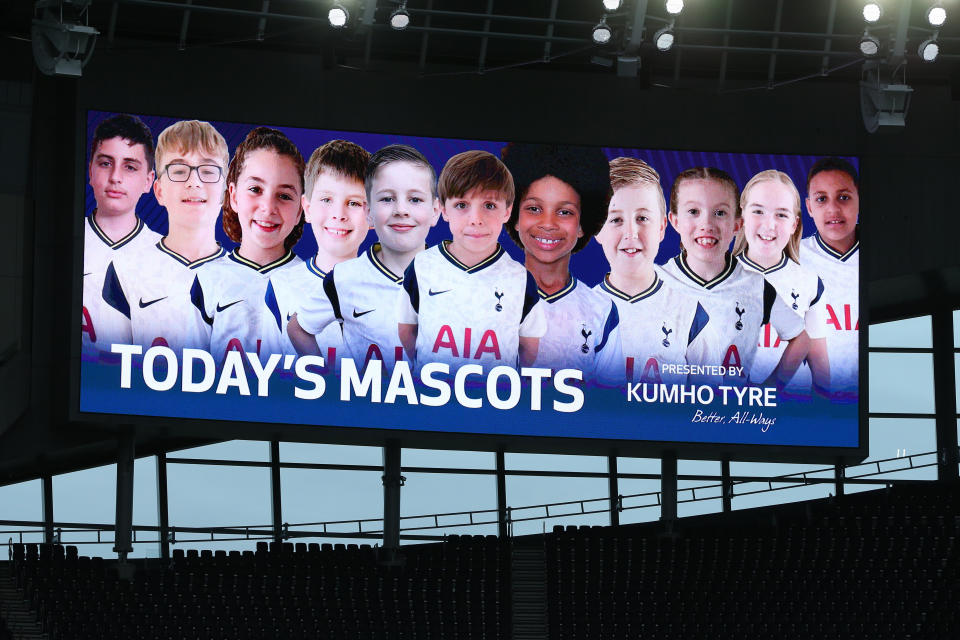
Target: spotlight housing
{"type": "Point", "coordinates": [674, 7]}
{"type": "Point", "coordinates": [338, 16]}
{"type": "Point", "coordinates": [872, 11]}
{"type": "Point", "coordinates": [602, 32]}
{"type": "Point", "coordinates": [611, 5]}
{"type": "Point", "coordinates": [400, 19]}
{"type": "Point", "coordinates": [929, 50]}
{"type": "Point", "coordinates": [936, 15]}
{"type": "Point", "coordinates": [664, 38]}
{"type": "Point", "coordinates": [869, 45]}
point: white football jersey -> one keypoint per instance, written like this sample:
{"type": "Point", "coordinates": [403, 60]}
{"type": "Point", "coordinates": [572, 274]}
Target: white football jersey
{"type": "Point", "coordinates": [297, 291]}
{"type": "Point", "coordinates": [470, 315]}
{"type": "Point", "coordinates": [101, 324]}
{"type": "Point", "coordinates": [738, 302]}
{"type": "Point", "coordinates": [243, 309]}
{"type": "Point", "coordinates": [662, 325]}
{"type": "Point", "coordinates": [156, 291]}
{"type": "Point", "coordinates": [363, 295]}
{"type": "Point", "coordinates": [841, 307]}
{"type": "Point", "coordinates": [802, 290]}
{"type": "Point", "coordinates": [582, 331]}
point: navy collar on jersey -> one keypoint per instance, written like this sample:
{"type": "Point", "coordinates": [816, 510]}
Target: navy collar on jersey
{"type": "Point", "coordinates": [643, 295]}
{"type": "Point", "coordinates": [266, 268]}
{"type": "Point", "coordinates": [379, 266]}
{"type": "Point", "coordinates": [842, 257]}
{"type": "Point", "coordinates": [486, 262]}
{"type": "Point", "coordinates": [137, 228]}
{"type": "Point", "coordinates": [756, 267]}
{"type": "Point", "coordinates": [220, 252]}
{"type": "Point", "coordinates": [553, 297]}
{"type": "Point", "coordinates": [314, 269]}
{"type": "Point", "coordinates": [731, 264]}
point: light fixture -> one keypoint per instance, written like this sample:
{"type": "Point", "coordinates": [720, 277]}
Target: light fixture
{"type": "Point", "coordinates": [664, 38]}
{"type": "Point", "coordinates": [400, 19]}
{"type": "Point", "coordinates": [869, 45]}
{"type": "Point", "coordinates": [611, 5]}
{"type": "Point", "coordinates": [674, 6]}
{"type": "Point", "coordinates": [602, 32]}
{"type": "Point", "coordinates": [928, 50]}
{"type": "Point", "coordinates": [936, 15]}
{"type": "Point", "coordinates": [338, 16]}
{"type": "Point", "coordinates": [872, 12]}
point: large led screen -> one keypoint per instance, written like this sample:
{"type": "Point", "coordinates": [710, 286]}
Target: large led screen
{"type": "Point", "coordinates": [367, 280]}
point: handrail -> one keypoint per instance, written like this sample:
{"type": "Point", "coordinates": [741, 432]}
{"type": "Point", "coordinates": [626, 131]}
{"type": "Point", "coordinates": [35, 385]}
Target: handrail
{"type": "Point", "coordinates": [476, 517]}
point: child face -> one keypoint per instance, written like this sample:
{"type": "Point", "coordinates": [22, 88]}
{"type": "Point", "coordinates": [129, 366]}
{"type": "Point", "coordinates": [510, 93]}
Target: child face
{"type": "Point", "coordinates": [549, 220]}
{"type": "Point", "coordinates": [705, 220]}
{"type": "Point", "coordinates": [402, 206]}
{"type": "Point", "coordinates": [193, 204]}
{"type": "Point", "coordinates": [337, 212]}
{"type": "Point", "coordinates": [769, 220]}
{"type": "Point", "coordinates": [634, 228]}
{"type": "Point", "coordinates": [266, 198]}
{"type": "Point", "coordinates": [119, 175]}
{"type": "Point", "coordinates": [476, 220]}
{"type": "Point", "coordinates": [834, 204]}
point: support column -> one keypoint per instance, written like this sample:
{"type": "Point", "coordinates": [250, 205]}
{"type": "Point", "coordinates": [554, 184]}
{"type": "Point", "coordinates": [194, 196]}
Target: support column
{"type": "Point", "coordinates": [614, 486]}
{"type": "Point", "coordinates": [46, 487]}
{"type": "Point", "coordinates": [163, 507]}
{"type": "Point", "coordinates": [502, 529]}
{"type": "Point", "coordinates": [668, 486]}
{"type": "Point", "coordinates": [945, 398]}
{"type": "Point", "coordinates": [726, 486]}
{"type": "Point", "coordinates": [123, 531]}
{"type": "Point", "coordinates": [392, 481]}
{"type": "Point", "coordinates": [276, 507]}
{"type": "Point", "coordinates": [839, 475]}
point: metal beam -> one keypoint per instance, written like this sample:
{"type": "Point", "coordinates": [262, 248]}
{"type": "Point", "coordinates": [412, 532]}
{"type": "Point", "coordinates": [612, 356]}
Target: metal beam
{"type": "Point", "coordinates": [502, 529]}
{"type": "Point", "coordinates": [184, 26]}
{"type": "Point", "coordinates": [276, 504]}
{"type": "Point", "coordinates": [945, 394]}
{"type": "Point", "coordinates": [548, 45]}
{"type": "Point", "coordinates": [46, 497]}
{"type": "Point", "coordinates": [831, 17]}
{"type": "Point", "coordinates": [163, 506]}
{"type": "Point", "coordinates": [262, 24]}
{"type": "Point", "coordinates": [424, 42]}
{"type": "Point", "coordinates": [392, 481]}
{"type": "Point", "coordinates": [483, 42]}
{"type": "Point", "coordinates": [726, 43]}
{"type": "Point", "coordinates": [123, 536]}
{"type": "Point", "coordinates": [771, 70]}
{"type": "Point", "coordinates": [668, 486]}
{"type": "Point", "coordinates": [614, 490]}
{"type": "Point", "coordinates": [726, 485]}
{"type": "Point", "coordinates": [637, 26]}
{"type": "Point", "coordinates": [899, 48]}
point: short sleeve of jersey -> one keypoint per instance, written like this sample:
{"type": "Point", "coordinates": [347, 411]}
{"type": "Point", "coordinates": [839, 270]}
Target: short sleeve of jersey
{"type": "Point", "coordinates": [815, 320]}
{"type": "Point", "coordinates": [787, 323]}
{"type": "Point", "coordinates": [319, 309]}
{"type": "Point", "coordinates": [408, 302]}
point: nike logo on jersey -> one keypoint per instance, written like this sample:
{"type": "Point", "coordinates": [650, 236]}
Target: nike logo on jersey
{"type": "Point", "coordinates": [227, 306]}
{"type": "Point", "coordinates": [144, 305]}
{"type": "Point", "coordinates": [357, 314]}
{"type": "Point", "coordinates": [88, 274]}
{"type": "Point", "coordinates": [436, 293]}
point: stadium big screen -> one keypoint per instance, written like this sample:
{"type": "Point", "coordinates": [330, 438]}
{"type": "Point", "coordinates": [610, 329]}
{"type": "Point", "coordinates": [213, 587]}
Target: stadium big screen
{"type": "Point", "coordinates": [478, 287]}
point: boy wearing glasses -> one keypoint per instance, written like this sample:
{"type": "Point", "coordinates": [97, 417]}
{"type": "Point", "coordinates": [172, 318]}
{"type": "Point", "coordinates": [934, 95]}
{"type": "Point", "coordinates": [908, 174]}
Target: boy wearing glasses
{"type": "Point", "coordinates": [121, 171]}
{"type": "Point", "coordinates": [157, 290]}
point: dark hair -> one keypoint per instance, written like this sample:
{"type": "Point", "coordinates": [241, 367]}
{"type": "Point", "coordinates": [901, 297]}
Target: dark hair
{"type": "Point", "coordinates": [585, 169]}
{"type": "Point", "coordinates": [343, 158]}
{"type": "Point", "coordinates": [471, 170]}
{"type": "Point", "coordinates": [398, 153]}
{"type": "Point", "coordinates": [261, 138]}
{"type": "Point", "coordinates": [833, 163]}
{"type": "Point", "coordinates": [126, 127]}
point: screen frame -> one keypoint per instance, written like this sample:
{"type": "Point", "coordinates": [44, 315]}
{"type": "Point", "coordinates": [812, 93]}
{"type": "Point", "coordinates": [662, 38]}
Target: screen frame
{"type": "Point", "coordinates": [159, 427]}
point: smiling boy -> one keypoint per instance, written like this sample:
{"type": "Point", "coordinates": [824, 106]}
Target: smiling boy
{"type": "Point", "coordinates": [121, 172]}
{"type": "Point", "coordinates": [465, 300]}
{"type": "Point", "coordinates": [833, 252]}
{"type": "Point", "coordinates": [154, 289]}
{"type": "Point", "coordinates": [401, 189]}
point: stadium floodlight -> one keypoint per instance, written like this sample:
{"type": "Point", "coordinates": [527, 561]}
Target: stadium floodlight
{"type": "Point", "coordinates": [602, 32]}
{"type": "Point", "coordinates": [674, 6]}
{"type": "Point", "coordinates": [872, 12]}
{"type": "Point", "coordinates": [664, 38]}
{"type": "Point", "coordinates": [869, 45]}
{"type": "Point", "coordinates": [936, 15]}
{"type": "Point", "coordinates": [611, 5]}
{"type": "Point", "coordinates": [338, 16]}
{"type": "Point", "coordinates": [400, 19]}
{"type": "Point", "coordinates": [929, 50]}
